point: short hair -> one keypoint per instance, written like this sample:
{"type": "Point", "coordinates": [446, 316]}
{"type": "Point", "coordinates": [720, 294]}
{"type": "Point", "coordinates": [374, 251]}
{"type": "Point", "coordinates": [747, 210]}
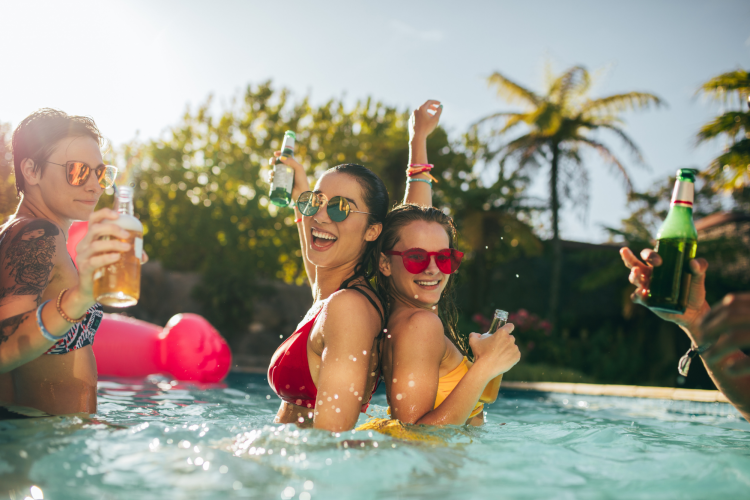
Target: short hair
{"type": "Point", "coordinates": [36, 136]}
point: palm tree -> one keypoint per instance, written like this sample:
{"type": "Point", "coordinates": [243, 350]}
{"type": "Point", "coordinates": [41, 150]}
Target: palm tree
{"type": "Point", "coordinates": [558, 125]}
{"type": "Point", "coordinates": [729, 172]}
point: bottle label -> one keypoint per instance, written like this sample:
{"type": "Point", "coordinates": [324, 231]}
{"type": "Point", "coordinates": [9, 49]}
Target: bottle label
{"type": "Point", "coordinates": [683, 193]}
{"type": "Point", "coordinates": [139, 248]}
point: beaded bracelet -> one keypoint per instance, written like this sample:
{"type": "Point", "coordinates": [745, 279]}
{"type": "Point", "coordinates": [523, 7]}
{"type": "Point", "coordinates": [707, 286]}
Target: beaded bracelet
{"type": "Point", "coordinates": [421, 180]}
{"type": "Point", "coordinates": [62, 313]}
{"type": "Point", "coordinates": [47, 335]}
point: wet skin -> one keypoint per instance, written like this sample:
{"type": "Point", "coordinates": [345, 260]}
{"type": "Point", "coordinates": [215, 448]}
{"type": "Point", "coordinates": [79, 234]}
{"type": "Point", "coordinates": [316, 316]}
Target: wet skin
{"type": "Point", "coordinates": [342, 364]}
{"type": "Point", "coordinates": [57, 383]}
{"type": "Point", "coordinates": [417, 353]}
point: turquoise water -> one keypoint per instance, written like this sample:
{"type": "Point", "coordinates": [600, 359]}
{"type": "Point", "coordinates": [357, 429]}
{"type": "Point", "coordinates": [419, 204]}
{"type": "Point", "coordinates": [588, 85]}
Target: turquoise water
{"type": "Point", "coordinates": [153, 439]}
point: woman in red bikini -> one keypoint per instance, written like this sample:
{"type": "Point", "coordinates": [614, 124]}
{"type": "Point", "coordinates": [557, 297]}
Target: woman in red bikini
{"type": "Point", "coordinates": [326, 372]}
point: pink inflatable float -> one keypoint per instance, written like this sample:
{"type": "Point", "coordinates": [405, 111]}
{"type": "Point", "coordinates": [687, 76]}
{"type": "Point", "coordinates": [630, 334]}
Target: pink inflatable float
{"type": "Point", "coordinates": [188, 348]}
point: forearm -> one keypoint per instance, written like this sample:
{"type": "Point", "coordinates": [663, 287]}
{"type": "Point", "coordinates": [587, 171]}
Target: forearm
{"type": "Point", "coordinates": [419, 193]}
{"type": "Point", "coordinates": [459, 404]}
{"type": "Point", "coordinates": [736, 389]}
{"type": "Point", "coordinates": [21, 339]}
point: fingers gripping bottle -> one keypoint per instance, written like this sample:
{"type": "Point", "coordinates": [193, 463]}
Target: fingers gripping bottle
{"type": "Point", "coordinates": [677, 242]}
{"type": "Point", "coordinates": [283, 176]}
{"type": "Point", "coordinates": [119, 283]}
{"type": "Point", "coordinates": [489, 395]}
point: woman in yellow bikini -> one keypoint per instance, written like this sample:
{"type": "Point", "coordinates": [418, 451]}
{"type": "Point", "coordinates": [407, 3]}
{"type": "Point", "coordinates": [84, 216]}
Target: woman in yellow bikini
{"type": "Point", "coordinates": [426, 364]}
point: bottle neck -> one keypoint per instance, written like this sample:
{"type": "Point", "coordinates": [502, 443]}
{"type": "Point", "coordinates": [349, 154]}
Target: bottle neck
{"type": "Point", "coordinates": [683, 194]}
{"type": "Point", "coordinates": [124, 204]}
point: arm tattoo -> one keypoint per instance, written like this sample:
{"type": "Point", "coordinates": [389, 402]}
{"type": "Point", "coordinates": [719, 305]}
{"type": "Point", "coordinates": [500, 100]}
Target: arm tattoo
{"type": "Point", "coordinates": [9, 326]}
{"type": "Point", "coordinates": [29, 259]}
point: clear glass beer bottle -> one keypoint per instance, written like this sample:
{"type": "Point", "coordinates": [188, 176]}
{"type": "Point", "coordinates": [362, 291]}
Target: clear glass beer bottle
{"type": "Point", "coordinates": [283, 175]}
{"type": "Point", "coordinates": [489, 395]}
{"type": "Point", "coordinates": [119, 284]}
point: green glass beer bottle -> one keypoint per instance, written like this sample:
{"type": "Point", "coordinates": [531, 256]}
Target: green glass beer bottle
{"type": "Point", "coordinates": [283, 175]}
{"type": "Point", "coordinates": [677, 242]}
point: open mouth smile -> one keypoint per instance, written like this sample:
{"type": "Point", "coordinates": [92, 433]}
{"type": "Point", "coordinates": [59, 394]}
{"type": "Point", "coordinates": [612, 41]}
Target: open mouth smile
{"type": "Point", "coordinates": [428, 284]}
{"type": "Point", "coordinates": [322, 240]}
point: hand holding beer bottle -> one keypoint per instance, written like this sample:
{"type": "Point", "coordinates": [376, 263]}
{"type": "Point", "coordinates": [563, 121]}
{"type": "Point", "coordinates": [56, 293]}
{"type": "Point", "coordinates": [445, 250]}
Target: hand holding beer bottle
{"type": "Point", "coordinates": [95, 252]}
{"type": "Point", "coordinates": [670, 281]}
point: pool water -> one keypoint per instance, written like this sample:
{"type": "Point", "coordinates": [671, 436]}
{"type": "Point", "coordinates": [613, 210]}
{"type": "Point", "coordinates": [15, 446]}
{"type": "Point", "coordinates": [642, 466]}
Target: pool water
{"type": "Point", "coordinates": [156, 439]}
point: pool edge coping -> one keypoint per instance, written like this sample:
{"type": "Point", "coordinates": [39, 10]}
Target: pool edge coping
{"type": "Point", "coordinates": [626, 391]}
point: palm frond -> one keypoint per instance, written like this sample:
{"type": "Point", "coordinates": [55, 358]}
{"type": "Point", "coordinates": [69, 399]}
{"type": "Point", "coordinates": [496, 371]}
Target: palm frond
{"type": "Point", "coordinates": [513, 119]}
{"type": "Point", "coordinates": [621, 102]}
{"type": "Point", "coordinates": [632, 147]}
{"type": "Point", "coordinates": [721, 87]}
{"type": "Point", "coordinates": [511, 91]}
{"type": "Point", "coordinates": [730, 124]}
{"type": "Point", "coordinates": [610, 158]}
{"type": "Point", "coordinates": [573, 82]}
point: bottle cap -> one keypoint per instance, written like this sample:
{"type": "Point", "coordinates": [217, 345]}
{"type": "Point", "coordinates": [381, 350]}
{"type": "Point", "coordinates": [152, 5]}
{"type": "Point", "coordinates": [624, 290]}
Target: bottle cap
{"type": "Point", "coordinates": [686, 174]}
{"type": "Point", "coordinates": [292, 134]}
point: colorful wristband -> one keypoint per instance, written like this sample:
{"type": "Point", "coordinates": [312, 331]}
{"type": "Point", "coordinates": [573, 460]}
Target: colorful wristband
{"type": "Point", "coordinates": [430, 165]}
{"type": "Point", "coordinates": [421, 180]}
{"type": "Point", "coordinates": [47, 335]}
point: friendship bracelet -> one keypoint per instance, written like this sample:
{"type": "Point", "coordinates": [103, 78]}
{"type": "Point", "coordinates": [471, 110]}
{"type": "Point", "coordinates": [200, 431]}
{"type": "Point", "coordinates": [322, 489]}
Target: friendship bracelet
{"type": "Point", "coordinates": [421, 165]}
{"type": "Point", "coordinates": [684, 364]}
{"type": "Point", "coordinates": [47, 335]}
{"type": "Point", "coordinates": [62, 313]}
{"type": "Point", "coordinates": [420, 180]}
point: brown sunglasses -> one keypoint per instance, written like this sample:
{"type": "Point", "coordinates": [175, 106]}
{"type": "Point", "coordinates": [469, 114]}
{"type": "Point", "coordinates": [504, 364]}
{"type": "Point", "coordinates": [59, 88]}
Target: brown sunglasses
{"type": "Point", "coordinates": [78, 172]}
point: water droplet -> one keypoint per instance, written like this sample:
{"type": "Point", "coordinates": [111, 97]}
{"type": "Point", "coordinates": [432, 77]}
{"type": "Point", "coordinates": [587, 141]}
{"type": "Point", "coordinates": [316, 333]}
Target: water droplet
{"type": "Point", "coordinates": [236, 486]}
{"type": "Point", "coordinates": [268, 396]}
{"type": "Point", "coordinates": [516, 276]}
{"type": "Point", "coordinates": [411, 383]}
{"type": "Point", "coordinates": [399, 397]}
{"type": "Point", "coordinates": [223, 469]}
{"type": "Point", "coordinates": [36, 493]}
{"type": "Point", "coordinates": [308, 485]}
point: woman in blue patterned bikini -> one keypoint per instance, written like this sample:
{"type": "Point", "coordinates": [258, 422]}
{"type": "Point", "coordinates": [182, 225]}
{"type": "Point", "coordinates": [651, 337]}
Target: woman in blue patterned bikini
{"type": "Point", "coordinates": [48, 316]}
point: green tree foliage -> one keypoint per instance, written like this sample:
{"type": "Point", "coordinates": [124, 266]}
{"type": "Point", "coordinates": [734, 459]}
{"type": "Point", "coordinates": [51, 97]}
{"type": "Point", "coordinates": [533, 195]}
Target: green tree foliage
{"type": "Point", "coordinates": [202, 189]}
{"type": "Point", "coordinates": [729, 172]}
{"type": "Point", "coordinates": [557, 126]}
{"type": "Point", "coordinates": [8, 198]}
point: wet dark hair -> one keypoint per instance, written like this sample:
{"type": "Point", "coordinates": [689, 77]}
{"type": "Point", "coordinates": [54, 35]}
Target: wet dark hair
{"type": "Point", "coordinates": [376, 198]}
{"type": "Point", "coordinates": [36, 136]}
{"type": "Point", "coordinates": [395, 222]}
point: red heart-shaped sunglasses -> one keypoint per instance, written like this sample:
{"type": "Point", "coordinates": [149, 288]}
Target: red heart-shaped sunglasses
{"type": "Point", "coordinates": [416, 260]}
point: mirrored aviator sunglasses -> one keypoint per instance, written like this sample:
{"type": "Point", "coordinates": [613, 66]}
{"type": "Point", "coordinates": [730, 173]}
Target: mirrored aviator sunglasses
{"type": "Point", "coordinates": [338, 207]}
{"type": "Point", "coordinates": [78, 172]}
{"type": "Point", "coordinates": [417, 260]}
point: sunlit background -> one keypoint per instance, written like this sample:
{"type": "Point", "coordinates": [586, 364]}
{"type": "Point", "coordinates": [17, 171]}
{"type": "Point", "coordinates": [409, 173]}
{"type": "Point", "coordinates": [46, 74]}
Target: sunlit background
{"type": "Point", "coordinates": [136, 66]}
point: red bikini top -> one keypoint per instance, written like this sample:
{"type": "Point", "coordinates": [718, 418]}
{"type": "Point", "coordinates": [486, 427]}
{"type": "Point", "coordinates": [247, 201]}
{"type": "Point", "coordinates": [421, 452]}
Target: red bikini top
{"type": "Point", "coordinates": [289, 372]}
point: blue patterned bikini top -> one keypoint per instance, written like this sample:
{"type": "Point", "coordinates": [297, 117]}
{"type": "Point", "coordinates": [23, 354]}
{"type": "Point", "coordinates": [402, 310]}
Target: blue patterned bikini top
{"type": "Point", "coordinates": [82, 334]}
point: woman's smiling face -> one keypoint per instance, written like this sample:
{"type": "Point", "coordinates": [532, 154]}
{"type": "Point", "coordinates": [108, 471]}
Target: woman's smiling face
{"type": "Point", "coordinates": [333, 244]}
{"type": "Point", "coordinates": [426, 287]}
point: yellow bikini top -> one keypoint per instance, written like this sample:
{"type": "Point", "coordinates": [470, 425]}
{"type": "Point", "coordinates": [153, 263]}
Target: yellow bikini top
{"type": "Point", "coordinates": [449, 381]}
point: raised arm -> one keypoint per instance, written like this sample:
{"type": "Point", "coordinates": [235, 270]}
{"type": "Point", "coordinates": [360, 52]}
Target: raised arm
{"type": "Point", "coordinates": [421, 124]}
{"type": "Point", "coordinates": [417, 353]}
{"type": "Point", "coordinates": [301, 184]}
{"type": "Point", "coordinates": [33, 272]}
{"type": "Point", "coordinates": [350, 325]}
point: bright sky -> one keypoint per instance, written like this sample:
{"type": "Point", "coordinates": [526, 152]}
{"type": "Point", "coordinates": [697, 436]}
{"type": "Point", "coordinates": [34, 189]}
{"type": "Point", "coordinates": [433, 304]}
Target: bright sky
{"type": "Point", "coordinates": [135, 66]}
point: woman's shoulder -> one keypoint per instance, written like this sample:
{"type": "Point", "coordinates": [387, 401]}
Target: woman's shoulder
{"type": "Point", "coordinates": [415, 324]}
{"type": "Point", "coordinates": [351, 308]}
{"type": "Point", "coordinates": [355, 300]}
